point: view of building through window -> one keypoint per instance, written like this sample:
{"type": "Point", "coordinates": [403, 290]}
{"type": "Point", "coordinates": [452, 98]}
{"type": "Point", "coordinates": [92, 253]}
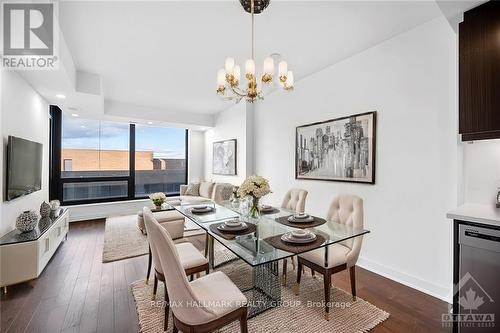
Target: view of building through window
{"type": "Point", "coordinates": [95, 161]}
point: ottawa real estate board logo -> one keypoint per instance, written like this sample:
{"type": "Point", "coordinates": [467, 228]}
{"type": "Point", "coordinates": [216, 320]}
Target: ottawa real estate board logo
{"type": "Point", "coordinates": [28, 38]}
{"type": "Point", "coordinates": [475, 307]}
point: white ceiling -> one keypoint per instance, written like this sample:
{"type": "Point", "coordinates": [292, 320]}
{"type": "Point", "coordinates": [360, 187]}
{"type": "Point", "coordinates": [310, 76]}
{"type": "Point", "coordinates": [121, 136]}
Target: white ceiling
{"type": "Point", "coordinates": [165, 55]}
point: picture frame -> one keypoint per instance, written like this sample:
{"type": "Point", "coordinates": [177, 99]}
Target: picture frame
{"type": "Point", "coordinates": [341, 149]}
{"type": "Point", "coordinates": [224, 157]}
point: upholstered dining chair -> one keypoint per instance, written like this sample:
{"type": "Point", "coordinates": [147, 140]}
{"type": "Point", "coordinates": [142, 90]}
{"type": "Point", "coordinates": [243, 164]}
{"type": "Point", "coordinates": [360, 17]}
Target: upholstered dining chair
{"type": "Point", "coordinates": [346, 209]}
{"type": "Point", "coordinates": [295, 199]}
{"type": "Point", "coordinates": [192, 261]}
{"type": "Point", "coordinates": [203, 305]}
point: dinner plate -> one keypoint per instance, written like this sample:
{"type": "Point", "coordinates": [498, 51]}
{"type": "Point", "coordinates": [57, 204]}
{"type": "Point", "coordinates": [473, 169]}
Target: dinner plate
{"type": "Point", "coordinates": [301, 233]}
{"type": "Point", "coordinates": [224, 227]}
{"type": "Point", "coordinates": [266, 208]}
{"type": "Point", "coordinates": [201, 210]}
{"type": "Point", "coordinates": [294, 220]}
{"type": "Point", "coordinates": [233, 223]}
{"type": "Point", "coordinates": [301, 216]}
{"type": "Point", "coordinates": [287, 237]}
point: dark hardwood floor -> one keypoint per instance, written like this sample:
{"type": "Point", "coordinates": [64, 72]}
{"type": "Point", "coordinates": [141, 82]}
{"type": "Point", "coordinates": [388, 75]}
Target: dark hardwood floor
{"type": "Point", "coordinates": [78, 293]}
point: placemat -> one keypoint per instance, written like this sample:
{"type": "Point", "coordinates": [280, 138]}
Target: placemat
{"type": "Point", "coordinates": [276, 242]}
{"type": "Point", "coordinates": [230, 235]}
{"type": "Point", "coordinates": [273, 211]}
{"type": "Point", "coordinates": [284, 220]}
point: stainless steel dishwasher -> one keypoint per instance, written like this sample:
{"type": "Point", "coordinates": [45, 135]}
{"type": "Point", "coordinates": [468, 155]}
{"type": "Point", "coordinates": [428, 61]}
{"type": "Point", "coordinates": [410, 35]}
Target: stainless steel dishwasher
{"type": "Point", "coordinates": [479, 286]}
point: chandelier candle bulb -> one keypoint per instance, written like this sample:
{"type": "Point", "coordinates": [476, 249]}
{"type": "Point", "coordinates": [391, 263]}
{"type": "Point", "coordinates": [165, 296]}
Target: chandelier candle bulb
{"type": "Point", "coordinates": [237, 74]}
{"type": "Point", "coordinates": [289, 80]}
{"type": "Point", "coordinates": [229, 65]}
{"type": "Point", "coordinates": [250, 67]}
{"type": "Point", "coordinates": [282, 68]}
{"type": "Point", "coordinates": [221, 78]}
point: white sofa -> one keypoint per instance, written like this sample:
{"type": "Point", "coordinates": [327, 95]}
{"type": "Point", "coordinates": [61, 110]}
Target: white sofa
{"type": "Point", "coordinates": [208, 191]}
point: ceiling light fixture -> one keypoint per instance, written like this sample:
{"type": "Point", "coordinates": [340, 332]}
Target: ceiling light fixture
{"type": "Point", "coordinates": [150, 122]}
{"type": "Point", "coordinates": [228, 79]}
{"type": "Point", "coordinates": [61, 96]}
{"type": "Point", "coordinates": [75, 115]}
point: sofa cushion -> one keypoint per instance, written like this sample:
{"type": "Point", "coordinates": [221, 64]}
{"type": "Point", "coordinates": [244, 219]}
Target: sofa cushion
{"type": "Point", "coordinates": [193, 189]}
{"type": "Point", "coordinates": [206, 189]}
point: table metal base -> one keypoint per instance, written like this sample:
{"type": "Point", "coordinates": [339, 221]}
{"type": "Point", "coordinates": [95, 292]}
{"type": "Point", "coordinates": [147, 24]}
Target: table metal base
{"type": "Point", "coordinates": [265, 292]}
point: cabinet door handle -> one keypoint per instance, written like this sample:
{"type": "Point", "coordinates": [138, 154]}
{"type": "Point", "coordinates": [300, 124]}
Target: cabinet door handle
{"type": "Point", "coordinates": [47, 244]}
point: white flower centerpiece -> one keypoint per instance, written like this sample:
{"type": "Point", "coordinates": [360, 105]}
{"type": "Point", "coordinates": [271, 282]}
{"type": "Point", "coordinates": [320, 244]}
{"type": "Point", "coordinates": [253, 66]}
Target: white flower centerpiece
{"type": "Point", "coordinates": [254, 187]}
{"type": "Point", "coordinates": [158, 199]}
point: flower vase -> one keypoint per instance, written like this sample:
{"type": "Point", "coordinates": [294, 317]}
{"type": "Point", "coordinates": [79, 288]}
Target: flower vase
{"type": "Point", "coordinates": [254, 211]}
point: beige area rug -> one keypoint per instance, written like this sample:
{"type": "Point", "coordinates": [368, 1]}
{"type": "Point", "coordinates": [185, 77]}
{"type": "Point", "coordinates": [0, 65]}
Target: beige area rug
{"type": "Point", "coordinates": [303, 313]}
{"type": "Point", "coordinates": [123, 239]}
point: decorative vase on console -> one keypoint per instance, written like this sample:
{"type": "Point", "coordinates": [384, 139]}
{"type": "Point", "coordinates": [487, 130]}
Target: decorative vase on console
{"type": "Point", "coordinates": [27, 221]}
{"type": "Point", "coordinates": [254, 188]}
{"type": "Point", "coordinates": [54, 207]}
{"type": "Point", "coordinates": [158, 199]}
{"type": "Point", "coordinates": [44, 210]}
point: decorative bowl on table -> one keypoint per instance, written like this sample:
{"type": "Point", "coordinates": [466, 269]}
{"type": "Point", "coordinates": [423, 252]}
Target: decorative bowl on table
{"type": "Point", "coordinates": [232, 225]}
{"type": "Point", "coordinates": [266, 208]}
{"type": "Point", "coordinates": [299, 237]}
{"type": "Point", "coordinates": [201, 209]}
{"type": "Point", "coordinates": [301, 218]}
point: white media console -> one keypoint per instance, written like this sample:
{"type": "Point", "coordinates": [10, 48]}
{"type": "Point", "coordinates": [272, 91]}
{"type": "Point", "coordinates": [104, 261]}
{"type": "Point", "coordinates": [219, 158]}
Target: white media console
{"type": "Point", "coordinates": [23, 256]}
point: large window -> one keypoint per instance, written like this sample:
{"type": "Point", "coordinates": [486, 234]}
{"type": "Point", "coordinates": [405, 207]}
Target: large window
{"type": "Point", "coordinates": [98, 161]}
{"type": "Point", "coordinates": [160, 159]}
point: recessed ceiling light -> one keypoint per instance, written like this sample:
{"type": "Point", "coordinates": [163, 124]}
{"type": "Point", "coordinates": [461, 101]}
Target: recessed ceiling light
{"type": "Point", "coordinates": [60, 96]}
{"type": "Point", "coordinates": [75, 114]}
{"type": "Point", "coordinates": [82, 126]}
{"type": "Point", "coordinates": [150, 122]}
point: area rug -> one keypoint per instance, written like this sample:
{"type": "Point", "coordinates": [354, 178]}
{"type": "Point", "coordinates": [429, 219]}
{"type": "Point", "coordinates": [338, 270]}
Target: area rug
{"type": "Point", "coordinates": [303, 313]}
{"type": "Point", "coordinates": [123, 239]}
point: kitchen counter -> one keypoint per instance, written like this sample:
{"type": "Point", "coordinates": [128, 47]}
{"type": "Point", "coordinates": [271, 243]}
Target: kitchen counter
{"type": "Point", "coordinates": [478, 213]}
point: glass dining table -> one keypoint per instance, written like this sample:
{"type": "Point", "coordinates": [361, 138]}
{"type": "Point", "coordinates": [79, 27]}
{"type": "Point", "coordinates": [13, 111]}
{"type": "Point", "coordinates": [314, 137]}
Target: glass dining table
{"type": "Point", "coordinates": [256, 248]}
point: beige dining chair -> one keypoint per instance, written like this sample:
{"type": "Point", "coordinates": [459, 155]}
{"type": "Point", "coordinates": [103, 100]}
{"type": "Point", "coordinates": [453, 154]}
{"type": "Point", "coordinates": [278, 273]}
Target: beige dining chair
{"type": "Point", "coordinates": [192, 261]}
{"type": "Point", "coordinates": [348, 210]}
{"type": "Point", "coordinates": [203, 305]}
{"type": "Point", "coordinates": [295, 199]}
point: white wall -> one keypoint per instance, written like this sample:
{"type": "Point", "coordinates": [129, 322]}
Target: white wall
{"type": "Point", "coordinates": [24, 114]}
{"type": "Point", "coordinates": [481, 169]}
{"type": "Point", "coordinates": [231, 124]}
{"type": "Point", "coordinates": [411, 81]}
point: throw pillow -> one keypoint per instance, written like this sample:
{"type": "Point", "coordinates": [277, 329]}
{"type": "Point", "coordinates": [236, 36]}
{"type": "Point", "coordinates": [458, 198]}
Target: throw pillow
{"type": "Point", "coordinates": [193, 189]}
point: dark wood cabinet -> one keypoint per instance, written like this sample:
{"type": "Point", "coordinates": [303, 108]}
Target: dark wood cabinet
{"type": "Point", "coordinates": [479, 73]}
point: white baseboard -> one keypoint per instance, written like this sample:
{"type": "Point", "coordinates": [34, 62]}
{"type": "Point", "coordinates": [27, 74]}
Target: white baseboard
{"type": "Point", "coordinates": [426, 287]}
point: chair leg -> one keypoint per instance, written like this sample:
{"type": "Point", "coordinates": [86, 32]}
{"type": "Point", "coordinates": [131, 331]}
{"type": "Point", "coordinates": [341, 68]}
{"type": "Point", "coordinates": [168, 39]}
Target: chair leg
{"type": "Point", "coordinates": [312, 274]}
{"type": "Point", "coordinates": [284, 271]}
{"type": "Point", "coordinates": [175, 330]}
{"type": "Point", "coordinates": [299, 276]}
{"type": "Point", "coordinates": [150, 260]}
{"type": "Point", "coordinates": [293, 262]}
{"type": "Point", "coordinates": [167, 308]}
{"type": "Point", "coordinates": [327, 281]}
{"type": "Point", "coordinates": [243, 323]}
{"type": "Point", "coordinates": [352, 271]}
{"type": "Point", "coordinates": [191, 277]}
{"type": "Point", "coordinates": [155, 286]}
{"type": "Point", "coordinates": [207, 270]}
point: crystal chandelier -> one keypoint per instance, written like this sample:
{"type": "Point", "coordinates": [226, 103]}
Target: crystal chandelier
{"type": "Point", "coordinates": [228, 79]}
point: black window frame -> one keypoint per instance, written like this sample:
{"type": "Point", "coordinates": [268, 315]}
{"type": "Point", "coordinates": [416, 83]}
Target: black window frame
{"type": "Point", "coordinates": [56, 182]}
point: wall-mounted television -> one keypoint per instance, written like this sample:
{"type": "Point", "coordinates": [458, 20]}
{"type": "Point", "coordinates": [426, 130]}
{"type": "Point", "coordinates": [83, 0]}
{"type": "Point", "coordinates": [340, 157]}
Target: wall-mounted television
{"type": "Point", "coordinates": [24, 167]}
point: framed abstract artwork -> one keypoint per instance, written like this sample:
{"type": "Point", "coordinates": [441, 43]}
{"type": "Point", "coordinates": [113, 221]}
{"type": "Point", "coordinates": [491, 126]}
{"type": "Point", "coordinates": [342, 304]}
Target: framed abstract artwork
{"type": "Point", "coordinates": [341, 149]}
{"type": "Point", "coordinates": [224, 158]}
